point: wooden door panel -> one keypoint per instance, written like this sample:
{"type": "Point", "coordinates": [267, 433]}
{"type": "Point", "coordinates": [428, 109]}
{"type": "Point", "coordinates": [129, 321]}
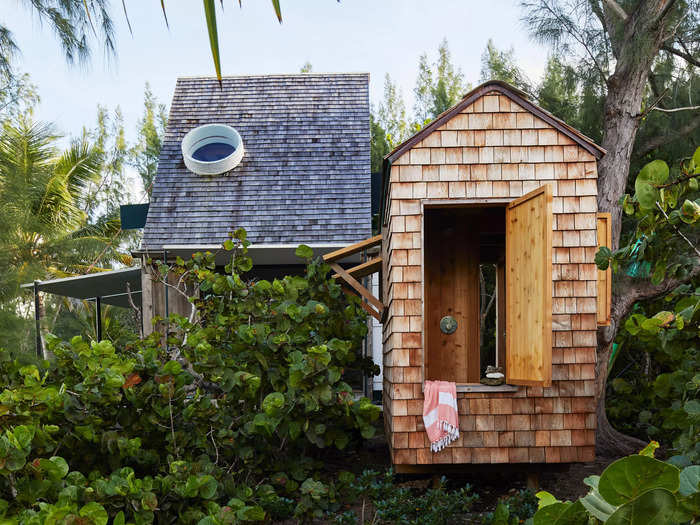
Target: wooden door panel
{"type": "Point", "coordinates": [529, 289]}
{"type": "Point", "coordinates": [451, 288]}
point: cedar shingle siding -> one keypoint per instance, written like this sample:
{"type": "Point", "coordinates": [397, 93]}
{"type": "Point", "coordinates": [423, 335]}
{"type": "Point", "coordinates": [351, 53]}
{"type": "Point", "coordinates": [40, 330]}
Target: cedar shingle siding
{"type": "Point", "coordinates": [494, 149]}
{"type": "Point", "coordinates": [305, 175]}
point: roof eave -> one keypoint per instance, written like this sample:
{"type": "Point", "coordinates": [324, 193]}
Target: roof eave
{"type": "Point", "coordinates": [517, 96]}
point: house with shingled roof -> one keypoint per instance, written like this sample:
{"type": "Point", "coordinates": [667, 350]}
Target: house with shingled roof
{"type": "Point", "coordinates": [304, 177]}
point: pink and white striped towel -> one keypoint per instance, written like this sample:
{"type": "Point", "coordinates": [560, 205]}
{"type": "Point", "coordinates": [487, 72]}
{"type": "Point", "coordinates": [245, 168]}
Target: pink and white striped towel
{"type": "Point", "coordinates": [440, 415]}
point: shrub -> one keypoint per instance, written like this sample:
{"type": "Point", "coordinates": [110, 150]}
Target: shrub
{"type": "Point", "coordinates": [634, 490]}
{"type": "Point", "coordinates": [387, 503]}
{"type": "Point", "coordinates": [221, 422]}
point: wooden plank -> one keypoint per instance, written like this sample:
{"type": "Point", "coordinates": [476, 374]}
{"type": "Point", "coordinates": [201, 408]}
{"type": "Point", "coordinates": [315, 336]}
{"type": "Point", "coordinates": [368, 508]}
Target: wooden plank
{"type": "Point", "coordinates": [529, 285]}
{"type": "Point", "coordinates": [357, 286]}
{"type": "Point", "coordinates": [363, 270]}
{"type": "Point", "coordinates": [500, 314]}
{"type": "Point", "coordinates": [604, 297]}
{"type": "Point", "coordinates": [367, 308]}
{"type": "Point", "coordinates": [452, 288]}
{"type": "Point", "coordinates": [352, 249]}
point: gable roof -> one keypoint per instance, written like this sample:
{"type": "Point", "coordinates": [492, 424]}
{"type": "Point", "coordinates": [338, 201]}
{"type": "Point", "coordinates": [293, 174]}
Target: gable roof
{"type": "Point", "coordinates": [517, 96]}
{"type": "Point", "coordinates": [305, 175]}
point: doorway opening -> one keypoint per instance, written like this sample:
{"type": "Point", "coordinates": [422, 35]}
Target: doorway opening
{"type": "Point", "coordinates": [464, 254]}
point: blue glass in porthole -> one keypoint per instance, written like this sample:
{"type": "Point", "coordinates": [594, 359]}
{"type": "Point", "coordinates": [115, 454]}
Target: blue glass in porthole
{"type": "Point", "coordinates": [213, 152]}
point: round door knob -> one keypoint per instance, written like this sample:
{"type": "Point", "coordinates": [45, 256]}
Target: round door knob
{"type": "Point", "coordinates": [448, 324]}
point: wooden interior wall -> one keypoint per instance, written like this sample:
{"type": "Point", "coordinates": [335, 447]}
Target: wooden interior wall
{"type": "Point", "coordinates": [452, 288]}
{"type": "Point", "coordinates": [494, 149]}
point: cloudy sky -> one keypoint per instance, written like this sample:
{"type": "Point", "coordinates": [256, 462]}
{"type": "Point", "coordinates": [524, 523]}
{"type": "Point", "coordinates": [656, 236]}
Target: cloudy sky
{"type": "Point", "coordinates": [378, 36]}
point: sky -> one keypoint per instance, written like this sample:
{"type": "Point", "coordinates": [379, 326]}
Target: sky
{"type": "Point", "coordinates": [375, 36]}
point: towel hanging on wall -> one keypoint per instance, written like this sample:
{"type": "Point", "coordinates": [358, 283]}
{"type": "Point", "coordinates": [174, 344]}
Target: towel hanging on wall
{"type": "Point", "coordinates": [440, 415]}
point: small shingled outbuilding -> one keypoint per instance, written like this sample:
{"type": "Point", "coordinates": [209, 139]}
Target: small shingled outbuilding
{"type": "Point", "coordinates": [495, 180]}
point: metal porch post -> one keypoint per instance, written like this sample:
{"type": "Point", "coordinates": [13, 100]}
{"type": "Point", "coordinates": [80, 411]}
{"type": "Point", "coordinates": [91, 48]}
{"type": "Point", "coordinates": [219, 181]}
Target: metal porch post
{"type": "Point", "coordinates": [98, 314]}
{"type": "Point", "coordinates": [37, 321]}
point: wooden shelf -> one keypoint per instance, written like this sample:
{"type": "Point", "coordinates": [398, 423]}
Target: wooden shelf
{"type": "Point", "coordinates": [484, 389]}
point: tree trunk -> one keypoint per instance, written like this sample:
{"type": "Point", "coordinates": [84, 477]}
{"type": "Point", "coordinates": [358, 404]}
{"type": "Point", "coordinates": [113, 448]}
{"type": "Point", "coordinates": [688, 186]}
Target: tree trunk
{"type": "Point", "coordinates": [636, 43]}
{"type": "Point", "coordinates": [608, 441]}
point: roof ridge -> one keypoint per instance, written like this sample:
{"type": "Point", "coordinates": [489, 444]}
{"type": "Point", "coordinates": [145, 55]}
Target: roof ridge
{"type": "Point", "coordinates": [271, 75]}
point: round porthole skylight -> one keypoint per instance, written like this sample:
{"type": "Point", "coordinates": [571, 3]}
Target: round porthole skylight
{"type": "Point", "coordinates": [212, 149]}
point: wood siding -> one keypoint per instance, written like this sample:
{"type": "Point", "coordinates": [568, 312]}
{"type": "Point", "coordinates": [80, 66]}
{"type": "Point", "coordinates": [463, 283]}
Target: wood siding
{"type": "Point", "coordinates": [494, 150]}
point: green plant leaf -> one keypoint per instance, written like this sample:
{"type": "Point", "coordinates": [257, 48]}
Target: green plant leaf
{"type": "Point", "coordinates": [654, 506]}
{"type": "Point", "coordinates": [597, 506]}
{"type": "Point", "coordinates": [602, 258]}
{"type": "Point", "coordinates": [273, 403]}
{"type": "Point", "coordinates": [689, 480]}
{"type": "Point", "coordinates": [278, 11]}
{"type": "Point", "coordinates": [207, 487]}
{"type": "Point", "coordinates": [696, 160]}
{"type": "Point", "coordinates": [96, 513]}
{"type": "Point", "coordinates": [692, 408]}
{"type": "Point", "coordinates": [650, 176]}
{"type": "Point", "coordinates": [210, 14]}
{"type": "Point", "coordinates": [650, 449]}
{"type": "Point", "coordinates": [559, 513]}
{"type": "Point", "coordinates": [627, 478]}
{"type": "Point", "coordinates": [304, 251]}
{"type": "Point", "coordinates": [544, 499]}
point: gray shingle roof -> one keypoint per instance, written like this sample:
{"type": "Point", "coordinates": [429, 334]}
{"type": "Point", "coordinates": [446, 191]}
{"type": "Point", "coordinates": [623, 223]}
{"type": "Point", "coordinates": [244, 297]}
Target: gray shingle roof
{"type": "Point", "coordinates": [305, 175]}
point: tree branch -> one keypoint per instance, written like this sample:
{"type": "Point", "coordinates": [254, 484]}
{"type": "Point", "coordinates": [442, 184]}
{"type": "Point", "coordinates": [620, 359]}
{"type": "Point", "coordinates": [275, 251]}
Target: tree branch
{"type": "Point", "coordinates": [686, 56]}
{"type": "Point", "coordinates": [673, 110]}
{"type": "Point", "coordinates": [662, 140]}
{"type": "Point", "coordinates": [617, 9]}
{"type": "Point", "coordinates": [695, 248]}
{"type": "Point", "coordinates": [679, 181]}
{"type": "Point", "coordinates": [664, 11]}
{"type": "Point", "coordinates": [633, 291]}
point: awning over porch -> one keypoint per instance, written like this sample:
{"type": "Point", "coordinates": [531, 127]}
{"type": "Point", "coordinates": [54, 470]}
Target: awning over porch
{"type": "Point", "coordinates": [112, 287]}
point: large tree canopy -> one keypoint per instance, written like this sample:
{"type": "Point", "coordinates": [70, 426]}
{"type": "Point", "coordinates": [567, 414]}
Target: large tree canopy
{"type": "Point", "coordinates": [634, 54]}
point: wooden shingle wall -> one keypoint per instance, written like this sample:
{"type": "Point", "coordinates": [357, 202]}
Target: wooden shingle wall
{"type": "Point", "coordinates": [495, 149]}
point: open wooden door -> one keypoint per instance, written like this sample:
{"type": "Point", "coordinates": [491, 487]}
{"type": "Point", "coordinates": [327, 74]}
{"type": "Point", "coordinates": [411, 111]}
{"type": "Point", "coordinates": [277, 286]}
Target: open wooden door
{"type": "Point", "coordinates": [529, 289]}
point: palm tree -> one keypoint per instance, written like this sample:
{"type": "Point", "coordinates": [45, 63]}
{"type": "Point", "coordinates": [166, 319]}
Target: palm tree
{"type": "Point", "coordinates": [77, 22]}
{"type": "Point", "coordinates": [44, 230]}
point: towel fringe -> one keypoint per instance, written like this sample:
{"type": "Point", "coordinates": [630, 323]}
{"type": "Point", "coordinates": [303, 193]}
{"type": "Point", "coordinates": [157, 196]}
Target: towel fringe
{"type": "Point", "coordinates": [452, 435]}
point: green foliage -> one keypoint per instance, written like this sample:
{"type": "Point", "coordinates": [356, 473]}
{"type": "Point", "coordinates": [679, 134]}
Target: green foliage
{"type": "Point", "coordinates": [222, 424]}
{"type": "Point", "coordinates": [44, 228]}
{"type": "Point", "coordinates": [438, 87]}
{"type": "Point", "coordinates": [393, 504]}
{"type": "Point", "coordinates": [501, 65]}
{"type": "Point", "coordinates": [379, 145]}
{"type": "Point", "coordinates": [637, 489]}
{"type": "Point", "coordinates": [513, 509]}
{"type": "Point", "coordinates": [391, 114]}
{"type": "Point", "coordinates": [75, 24]}
{"type": "Point", "coordinates": [657, 397]}
{"type": "Point", "coordinates": [151, 128]}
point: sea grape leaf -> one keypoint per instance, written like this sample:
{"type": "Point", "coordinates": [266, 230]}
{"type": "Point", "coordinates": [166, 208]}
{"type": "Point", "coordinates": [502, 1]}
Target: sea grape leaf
{"type": "Point", "coordinates": [654, 506]}
{"type": "Point", "coordinates": [559, 513]}
{"type": "Point", "coordinates": [627, 478]}
{"type": "Point", "coordinates": [689, 480]}
{"type": "Point", "coordinates": [304, 251]}
{"type": "Point", "coordinates": [645, 185]}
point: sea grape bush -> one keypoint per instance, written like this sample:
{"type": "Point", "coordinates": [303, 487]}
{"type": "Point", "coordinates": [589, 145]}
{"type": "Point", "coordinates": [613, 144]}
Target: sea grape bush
{"type": "Point", "coordinates": [220, 421]}
{"type": "Point", "coordinates": [660, 398]}
{"type": "Point", "coordinates": [654, 386]}
{"type": "Point", "coordinates": [635, 490]}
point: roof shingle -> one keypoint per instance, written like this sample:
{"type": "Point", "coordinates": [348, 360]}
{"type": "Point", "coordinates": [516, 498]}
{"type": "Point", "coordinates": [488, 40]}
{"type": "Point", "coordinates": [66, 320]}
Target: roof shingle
{"type": "Point", "coordinates": [305, 175]}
